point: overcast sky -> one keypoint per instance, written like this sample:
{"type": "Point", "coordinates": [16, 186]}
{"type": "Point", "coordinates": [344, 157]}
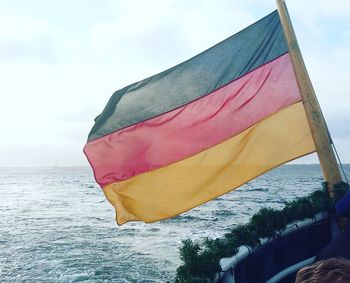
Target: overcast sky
{"type": "Point", "coordinates": [60, 61]}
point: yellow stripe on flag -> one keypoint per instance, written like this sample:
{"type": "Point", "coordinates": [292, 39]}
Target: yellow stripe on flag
{"type": "Point", "coordinates": [178, 187]}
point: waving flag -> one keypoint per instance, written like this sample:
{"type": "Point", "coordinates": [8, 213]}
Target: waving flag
{"type": "Point", "coordinates": [198, 130]}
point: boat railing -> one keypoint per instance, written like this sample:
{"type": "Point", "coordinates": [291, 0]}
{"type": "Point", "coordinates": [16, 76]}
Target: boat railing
{"type": "Point", "coordinates": [228, 264]}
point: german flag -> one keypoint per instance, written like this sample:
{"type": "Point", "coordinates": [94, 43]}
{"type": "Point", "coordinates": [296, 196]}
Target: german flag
{"type": "Point", "coordinates": [198, 130]}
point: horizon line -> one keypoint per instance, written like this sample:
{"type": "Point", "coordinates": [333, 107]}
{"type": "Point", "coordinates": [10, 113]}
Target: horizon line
{"type": "Point", "coordinates": [76, 166]}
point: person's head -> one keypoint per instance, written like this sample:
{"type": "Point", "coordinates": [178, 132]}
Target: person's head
{"type": "Point", "coordinates": [330, 270]}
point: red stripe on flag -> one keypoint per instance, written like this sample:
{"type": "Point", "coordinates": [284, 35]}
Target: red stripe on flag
{"type": "Point", "coordinates": [196, 126]}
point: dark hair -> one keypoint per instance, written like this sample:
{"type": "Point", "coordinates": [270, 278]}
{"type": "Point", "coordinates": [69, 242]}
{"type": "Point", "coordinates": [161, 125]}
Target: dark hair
{"type": "Point", "coordinates": [330, 270]}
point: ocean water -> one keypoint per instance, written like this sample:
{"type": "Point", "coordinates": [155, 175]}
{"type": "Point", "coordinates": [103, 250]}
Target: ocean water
{"type": "Point", "coordinates": [57, 226]}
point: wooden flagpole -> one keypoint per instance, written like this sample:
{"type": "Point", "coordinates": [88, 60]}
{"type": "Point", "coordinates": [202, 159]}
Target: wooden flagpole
{"type": "Point", "coordinates": [317, 123]}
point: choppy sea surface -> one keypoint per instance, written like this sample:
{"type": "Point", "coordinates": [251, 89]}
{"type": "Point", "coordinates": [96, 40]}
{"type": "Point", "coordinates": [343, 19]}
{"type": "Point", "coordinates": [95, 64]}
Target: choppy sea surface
{"type": "Point", "coordinates": [57, 226]}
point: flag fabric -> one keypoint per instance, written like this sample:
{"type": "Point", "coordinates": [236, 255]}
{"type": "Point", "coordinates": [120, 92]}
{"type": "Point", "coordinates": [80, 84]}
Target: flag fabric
{"type": "Point", "coordinates": [198, 130]}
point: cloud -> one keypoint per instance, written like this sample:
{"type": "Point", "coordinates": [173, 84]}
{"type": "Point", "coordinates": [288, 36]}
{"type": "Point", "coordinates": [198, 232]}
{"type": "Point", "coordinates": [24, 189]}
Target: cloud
{"type": "Point", "coordinates": [60, 154]}
{"type": "Point", "coordinates": [329, 70]}
{"type": "Point", "coordinates": [322, 8]}
{"type": "Point", "coordinates": [18, 27]}
{"type": "Point", "coordinates": [25, 39]}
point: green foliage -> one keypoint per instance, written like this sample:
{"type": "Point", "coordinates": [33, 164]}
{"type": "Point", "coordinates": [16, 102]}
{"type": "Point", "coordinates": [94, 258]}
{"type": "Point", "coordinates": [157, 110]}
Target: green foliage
{"type": "Point", "coordinates": [320, 201]}
{"type": "Point", "coordinates": [268, 222]}
{"type": "Point", "coordinates": [201, 261]}
{"type": "Point", "coordinates": [218, 247]}
{"type": "Point", "coordinates": [245, 235]}
{"type": "Point", "coordinates": [201, 264]}
{"type": "Point", "coordinates": [189, 251]}
{"type": "Point", "coordinates": [299, 209]}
